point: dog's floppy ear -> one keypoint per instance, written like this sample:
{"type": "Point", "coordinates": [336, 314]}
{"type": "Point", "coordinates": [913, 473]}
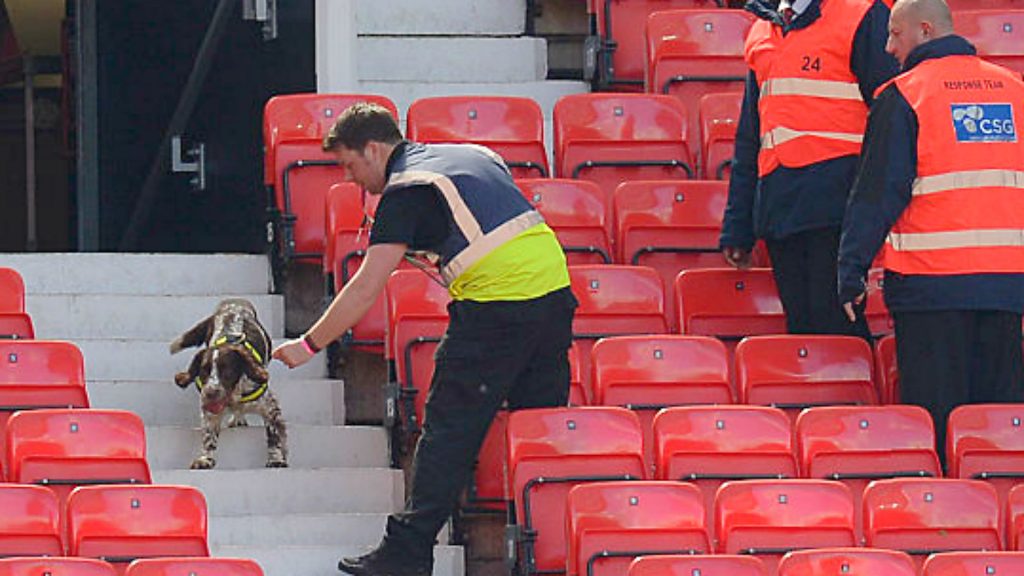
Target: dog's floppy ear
{"type": "Point", "coordinates": [195, 336]}
{"type": "Point", "coordinates": [183, 379]}
{"type": "Point", "coordinates": [252, 368]}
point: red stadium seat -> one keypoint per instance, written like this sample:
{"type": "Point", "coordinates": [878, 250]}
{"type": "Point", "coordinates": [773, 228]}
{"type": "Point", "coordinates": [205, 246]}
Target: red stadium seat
{"type": "Point", "coordinates": [729, 304]}
{"type": "Point", "coordinates": [120, 524]}
{"type": "Point", "coordinates": [969, 563]}
{"type": "Point", "coordinates": [612, 138]}
{"type": "Point", "coordinates": [768, 518]}
{"type": "Point", "coordinates": [297, 169]}
{"type": "Point", "coordinates": [691, 53]}
{"type": "Point", "coordinates": [671, 226]}
{"type": "Point", "coordinates": [550, 451]}
{"type": "Point", "coordinates": [617, 45]}
{"type": "Point", "coordinates": [611, 523]}
{"type": "Point", "coordinates": [40, 374]}
{"type": "Point", "coordinates": [709, 445]}
{"type": "Point", "coordinates": [65, 448]}
{"type": "Point", "coordinates": [858, 444]}
{"type": "Point", "coordinates": [880, 322]}
{"type": "Point", "coordinates": [579, 213]}
{"type": "Point", "coordinates": [719, 117]}
{"type": "Point", "coordinates": [922, 516]}
{"type": "Point", "coordinates": [852, 561]}
{"type": "Point", "coordinates": [1015, 519]}
{"type": "Point", "coordinates": [961, 5]}
{"type": "Point", "coordinates": [648, 373]}
{"type": "Point", "coordinates": [196, 566]}
{"type": "Point", "coordinates": [887, 374]}
{"type": "Point", "coordinates": [30, 522]}
{"type": "Point", "coordinates": [998, 33]}
{"type": "Point", "coordinates": [614, 301]}
{"type": "Point", "coordinates": [797, 371]}
{"type": "Point", "coordinates": [511, 126]}
{"type": "Point", "coordinates": [59, 566]}
{"type": "Point", "coordinates": [15, 324]}
{"type": "Point", "coordinates": [986, 442]}
{"type": "Point", "coordinates": [708, 565]}
{"type": "Point", "coordinates": [348, 214]}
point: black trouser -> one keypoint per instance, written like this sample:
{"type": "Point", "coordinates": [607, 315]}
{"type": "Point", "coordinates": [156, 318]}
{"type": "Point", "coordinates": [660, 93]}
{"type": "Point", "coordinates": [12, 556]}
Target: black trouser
{"type": "Point", "coordinates": [952, 357]}
{"type": "Point", "coordinates": [492, 353]}
{"type": "Point", "coordinates": [805, 268]}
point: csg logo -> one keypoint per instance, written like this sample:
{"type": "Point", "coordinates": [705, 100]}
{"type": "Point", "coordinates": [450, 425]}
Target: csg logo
{"type": "Point", "coordinates": [984, 122]}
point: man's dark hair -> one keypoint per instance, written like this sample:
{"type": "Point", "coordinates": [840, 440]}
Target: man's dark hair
{"type": "Point", "coordinates": [361, 123]}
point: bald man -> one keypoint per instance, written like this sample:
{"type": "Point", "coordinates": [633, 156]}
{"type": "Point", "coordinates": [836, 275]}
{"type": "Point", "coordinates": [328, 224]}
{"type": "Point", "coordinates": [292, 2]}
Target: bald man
{"type": "Point", "coordinates": [940, 190]}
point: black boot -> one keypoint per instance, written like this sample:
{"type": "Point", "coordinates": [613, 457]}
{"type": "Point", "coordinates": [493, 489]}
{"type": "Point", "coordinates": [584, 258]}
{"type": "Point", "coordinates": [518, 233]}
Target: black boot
{"type": "Point", "coordinates": [390, 559]}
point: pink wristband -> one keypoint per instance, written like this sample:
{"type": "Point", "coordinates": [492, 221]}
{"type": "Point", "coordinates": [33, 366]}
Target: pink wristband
{"type": "Point", "coordinates": [308, 348]}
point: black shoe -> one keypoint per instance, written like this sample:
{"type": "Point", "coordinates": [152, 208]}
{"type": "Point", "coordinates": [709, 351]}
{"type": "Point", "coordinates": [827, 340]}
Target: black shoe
{"type": "Point", "coordinates": [387, 560]}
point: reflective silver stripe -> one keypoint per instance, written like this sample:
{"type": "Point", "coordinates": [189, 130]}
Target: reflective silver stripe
{"type": "Point", "coordinates": [968, 179]}
{"type": "Point", "coordinates": [486, 244]}
{"type": "Point", "coordinates": [781, 135]}
{"type": "Point", "coordinates": [464, 219]}
{"type": "Point", "coordinates": [909, 242]}
{"type": "Point", "coordinates": [809, 87]}
{"type": "Point", "coordinates": [491, 154]}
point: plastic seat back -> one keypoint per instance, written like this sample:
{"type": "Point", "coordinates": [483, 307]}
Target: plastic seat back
{"type": "Point", "coordinates": [671, 226]}
{"type": "Point", "coordinates": [880, 322]}
{"type": "Point", "coordinates": [1015, 519]}
{"type": "Point", "coordinates": [768, 518]}
{"type": "Point", "coordinates": [922, 516]}
{"type": "Point", "coordinates": [578, 211]}
{"type": "Point", "coordinates": [120, 524]}
{"type": "Point", "coordinates": [15, 324]}
{"type": "Point", "coordinates": [847, 561]}
{"type": "Point", "coordinates": [55, 566]}
{"type": "Point", "coordinates": [969, 563]}
{"type": "Point", "coordinates": [196, 566]}
{"type": "Point", "coordinates": [709, 445]}
{"type": "Point", "coordinates": [728, 304]}
{"type": "Point", "coordinates": [511, 126]}
{"type": "Point", "coordinates": [65, 448]}
{"type": "Point", "coordinates": [858, 444]}
{"type": "Point", "coordinates": [887, 373]}
{"type": "Point", "coordinates": [38, 374]}
{"type": "Point", "coordinates": [614, 301]}
{"type": "Point", "coordinates": [30, 523]}
{"type": "Point", "coordinates": [690, 565]}
{"type": "Point", "coordinates": [962, 5]}
{"type": "Point", "coordinates": [648, 373]}
{"type": "Point", "coordinates": [612, 138]}
{"type": "Point", "coordinates": [793, 372]}
{"type": "Point", "coordinates": [611, 523]}
{"type": "Point", "coordinates": [986, 442]}
{"type": "Point", "coordinates": [691, 53]}
{"type": "Point", "coordinates": [997, 33]}
{"type": "Point", "coordinates": [719, 117]}
{"type": "Point", "coordinates": [553, 449]}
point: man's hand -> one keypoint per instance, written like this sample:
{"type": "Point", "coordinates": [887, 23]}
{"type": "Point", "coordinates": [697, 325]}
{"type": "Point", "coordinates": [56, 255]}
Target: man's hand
{"type": "Point", "coordinates": [293, 353]}
{"type": "Point", "coordinates": [737, 257]}
{"type": "Point", "coordinates": [848, 306]}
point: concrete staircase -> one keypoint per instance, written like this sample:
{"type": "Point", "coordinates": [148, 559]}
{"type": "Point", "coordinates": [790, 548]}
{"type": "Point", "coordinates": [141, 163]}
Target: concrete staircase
{"type": "Point", "coordinates": [123, 310]}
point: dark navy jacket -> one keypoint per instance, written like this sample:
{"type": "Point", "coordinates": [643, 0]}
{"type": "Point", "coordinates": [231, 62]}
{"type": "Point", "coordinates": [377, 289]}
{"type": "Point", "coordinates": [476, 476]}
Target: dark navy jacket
{"type": "Point", "coordinates": [883, 190]}
{"type": "Point", "coordinates": [791, 200]}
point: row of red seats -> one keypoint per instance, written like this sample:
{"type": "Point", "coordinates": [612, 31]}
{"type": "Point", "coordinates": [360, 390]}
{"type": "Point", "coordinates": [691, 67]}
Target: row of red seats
{"type": "Point", "coordinates": [682, 47]}
{"type": "Point", "coordinates": [116, 524]}
{"type": "Point", "coordinates": [73, 566]}
{"type": "Point", "coordinates": [554, 451]}
{"type": "Point", "coordinates": [15, 323]}
{"type": "Point", "coordinates": [832, 562]}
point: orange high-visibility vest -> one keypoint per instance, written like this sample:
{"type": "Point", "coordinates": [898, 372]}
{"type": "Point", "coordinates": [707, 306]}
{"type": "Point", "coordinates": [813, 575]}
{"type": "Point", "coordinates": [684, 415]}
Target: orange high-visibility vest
{"type": "Point", "coordinates": [811, 108]}
{"type": "Point", "coordinates": [966, 214]}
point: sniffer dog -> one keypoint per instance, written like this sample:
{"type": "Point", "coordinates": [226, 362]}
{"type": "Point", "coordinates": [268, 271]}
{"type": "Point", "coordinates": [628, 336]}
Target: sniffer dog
{"type": "Point", "coordinates": [230, 371]}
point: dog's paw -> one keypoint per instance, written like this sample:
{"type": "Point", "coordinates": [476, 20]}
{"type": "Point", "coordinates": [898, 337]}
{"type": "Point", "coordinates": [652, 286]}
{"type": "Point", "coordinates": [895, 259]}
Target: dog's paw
{"type": "Point", "coordinates": [203, 463]}
{"type": "Point", "coordinates": [237, 421]}
{"type": "Point", "coordinates": [277, 463]}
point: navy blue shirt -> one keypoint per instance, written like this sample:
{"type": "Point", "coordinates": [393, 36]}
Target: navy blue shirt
{"type": "Point", "coordinates": [881, 192]}
{"type": "Point", "coordinates": [792, 200]}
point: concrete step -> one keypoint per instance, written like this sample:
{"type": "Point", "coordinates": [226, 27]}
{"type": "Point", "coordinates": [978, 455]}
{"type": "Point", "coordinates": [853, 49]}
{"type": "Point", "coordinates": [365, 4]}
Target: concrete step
{"type": "Point", "coordinates": [323, 560]}
{"type": "Point", "coordinates": [451, 59]}
{"type": "Point", "coordinates": [173, 447]}
{"type": "Point", "coordinates": [150, 317]}
{"type": "Point", "coordinates": [131, 359]}
{"type": "Point", "coordinates": [141, 274]}
{"type": "Point", "coordinates": [277, 491]}
{"type": "Point", "coordinates": [353, 530]}
{"type": "Point", "coordinates": [449, 18]}
{"type": "Point", "coordinates": [162, 403]}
